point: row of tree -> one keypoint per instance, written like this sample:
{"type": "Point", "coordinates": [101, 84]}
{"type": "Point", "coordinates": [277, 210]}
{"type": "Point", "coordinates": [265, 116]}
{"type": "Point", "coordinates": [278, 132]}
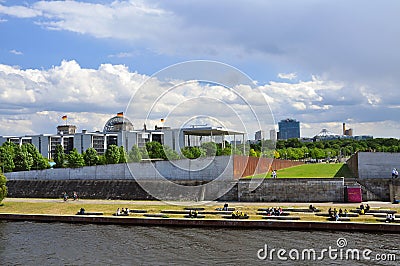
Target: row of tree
{"type": "Point", "coordinates": [21, 158]}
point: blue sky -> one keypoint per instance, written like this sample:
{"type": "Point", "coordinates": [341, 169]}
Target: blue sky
{"type": "Point", "coordinates": [320, 62]}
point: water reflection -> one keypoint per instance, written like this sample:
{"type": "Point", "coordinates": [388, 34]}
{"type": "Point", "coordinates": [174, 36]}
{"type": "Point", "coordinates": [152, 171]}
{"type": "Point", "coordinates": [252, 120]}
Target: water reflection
{"type": "Point", "coordinates": [27, 243]}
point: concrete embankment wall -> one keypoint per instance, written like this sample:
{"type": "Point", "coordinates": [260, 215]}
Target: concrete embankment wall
{"type": "Point", "coordinates": [124, 189]}
{"type": "Point", "coordinates": [378, 188]}
{"type": "Point", "coordinates": [240, 224]}
{"type": "Point", "coordinates": [120, 189]}
{"type": "Point", "coordinates": [269, 190]}
{"type": "Point", "coordinates": [175, 180]}
{"type": "Point", "coordinates": [202, 169]}
{"type": "Point", "coordinates": [374, 164]}
{"type": "Point", "coordinates": [293, 190]}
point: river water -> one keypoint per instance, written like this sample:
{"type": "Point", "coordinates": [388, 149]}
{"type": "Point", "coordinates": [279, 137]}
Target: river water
{"type": "Point", "coordinates": [29, 243]}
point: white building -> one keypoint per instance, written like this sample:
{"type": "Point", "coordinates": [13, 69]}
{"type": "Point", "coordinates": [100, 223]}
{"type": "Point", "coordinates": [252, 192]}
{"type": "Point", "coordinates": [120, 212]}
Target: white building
{"type": "Point", "coordinates": [120, 131]}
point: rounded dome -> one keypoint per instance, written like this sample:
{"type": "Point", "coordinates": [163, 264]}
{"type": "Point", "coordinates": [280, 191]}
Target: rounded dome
{"type": "Point", "coordinates": [117, 124]}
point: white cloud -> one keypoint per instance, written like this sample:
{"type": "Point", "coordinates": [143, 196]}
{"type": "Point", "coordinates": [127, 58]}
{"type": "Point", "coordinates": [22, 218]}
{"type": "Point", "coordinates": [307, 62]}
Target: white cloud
{"type": "Point", "coordinates": [121, 55]}
{"type": "Point", "coordinates": [3, 20]}
{"type": "Point", "coordinates": [289, 76]}
{"type": "Point", "coordinates": [20, 11]}
{"type": "Point", "coordinates": [33, 101]}
{"type": "Point", "coordinates": [66, 88]}
{"type": "Point", "coordinates": [36, 99]}
{"type": "Point", "coordinates": [299, 106]}
{"type": "Point", "coordinates": [13, 51]}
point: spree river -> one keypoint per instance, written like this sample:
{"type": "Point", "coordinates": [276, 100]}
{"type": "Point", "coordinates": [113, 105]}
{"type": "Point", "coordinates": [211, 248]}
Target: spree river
{"type": "Point", "coordinates": [29, 243]}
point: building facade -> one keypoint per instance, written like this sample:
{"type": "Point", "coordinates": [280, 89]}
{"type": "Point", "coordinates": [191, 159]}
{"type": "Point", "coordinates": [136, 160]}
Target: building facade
{"type": "Point", "coordinates": [289, 129]}
{"type": "Point", "coordinates": [120, 131]}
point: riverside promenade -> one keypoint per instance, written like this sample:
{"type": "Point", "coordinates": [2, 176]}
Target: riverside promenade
{"type": "Point", "coordinates": [171, 214]}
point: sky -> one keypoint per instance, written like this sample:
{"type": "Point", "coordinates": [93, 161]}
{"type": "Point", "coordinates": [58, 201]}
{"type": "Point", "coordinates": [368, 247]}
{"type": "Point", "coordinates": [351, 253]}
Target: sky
{"type": "Point", "coordinates": [320, 62]}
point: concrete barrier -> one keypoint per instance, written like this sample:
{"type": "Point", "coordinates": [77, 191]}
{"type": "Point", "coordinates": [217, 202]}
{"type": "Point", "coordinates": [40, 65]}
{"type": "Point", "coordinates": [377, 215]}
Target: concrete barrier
{"type": "Point", "coordinates": [202, 169]}
{"type": "Point", "coordinates": [293, 190]}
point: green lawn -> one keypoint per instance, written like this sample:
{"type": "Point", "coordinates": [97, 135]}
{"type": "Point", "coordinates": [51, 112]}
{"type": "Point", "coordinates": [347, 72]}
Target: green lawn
{"type": "Point", "coordinates": [312, 170]}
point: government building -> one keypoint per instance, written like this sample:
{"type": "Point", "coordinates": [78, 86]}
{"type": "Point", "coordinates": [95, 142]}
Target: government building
{"type": "Point", "coordinates": [119, 131]}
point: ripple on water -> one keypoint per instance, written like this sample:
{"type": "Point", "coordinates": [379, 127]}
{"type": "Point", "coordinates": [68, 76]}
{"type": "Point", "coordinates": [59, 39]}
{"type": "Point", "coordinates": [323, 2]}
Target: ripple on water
{"type": "Point", "coordinates": [26, 243]}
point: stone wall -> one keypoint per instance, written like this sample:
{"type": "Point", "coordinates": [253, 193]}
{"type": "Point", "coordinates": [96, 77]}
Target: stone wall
{"type": "Point", "coordinates": [377, 186]}
{"type": "Point", "coordinates": [270, 190]}
{"type": "Point", "coordinates": [394, 191]}
{"type": "Point", "coordinates": [293, 190]}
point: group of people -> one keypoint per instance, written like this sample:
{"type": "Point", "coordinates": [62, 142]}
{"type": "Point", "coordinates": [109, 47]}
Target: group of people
{"type": "Point", "coordinates": [273, 174]}
{"type": "Point", "coordinates": [238, 214]}
{"type": "Point", "coordinates": [193, 213]}
{"type": "Point", "coordinates": [66, 197]}
{"type": "Point", "coordinates": [364, 209]}
{"type": "Point", "coordinates": [122, 212]}
{"type": "Point", "coordinates": [390, 217]}
{"type": "Point", "coordinates": [276, 211]}
{"type": "Point", "coordinates": [335, 214]}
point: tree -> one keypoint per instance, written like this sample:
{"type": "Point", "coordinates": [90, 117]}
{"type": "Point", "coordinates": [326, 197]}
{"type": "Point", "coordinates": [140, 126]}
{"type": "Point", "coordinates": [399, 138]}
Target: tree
{"type": "Point", "coordinates": [122, 155]}
{"type": "Point", "coordinates": [210, 148]}
{"type": "Point", "coordinates": [170, 154]}
{"type": "Point", "coordinates": [7, 153]}
{"type": "Point", "coordinates": [102, 160]}
{"type": "Point", "coordinates": [112, 154]}
{"type": "Point", "coordinates": [155, 150]}
{"type": "Point", "coordinates": [252, 153]}
{"type": "Point", "coordinates": [193, 152]}
{"type": "Point", "coordinates": [226, 151]}
{"type": "Point", "coordinates": [22, 160]}
{"type": "Point", "coordinates": [144, 153]}
{"type": "Point", "coordinates": [75, 159]}
{"type": "Point", "coordinates": [39, 162]}
{"type": "Point", "coordinates": [59, 156]}
{"type": "Point", "coordinates": [90, 157]}
{"type": "Point", "coordinates": [135, 154]}
{"type": "Point", "coordinates": [3, 187]}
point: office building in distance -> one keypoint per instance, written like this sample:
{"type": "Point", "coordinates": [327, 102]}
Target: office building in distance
{"type": "Point", "coordinates": [289, 129]}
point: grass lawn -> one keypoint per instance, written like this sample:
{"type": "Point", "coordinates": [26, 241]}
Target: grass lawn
{"type": "Point", "coordinates": [312, 170]}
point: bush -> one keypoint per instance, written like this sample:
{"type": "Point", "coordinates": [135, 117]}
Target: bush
{"type": "Point", "coordinates": [3, 188]}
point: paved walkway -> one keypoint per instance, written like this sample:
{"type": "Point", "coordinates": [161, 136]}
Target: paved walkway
{"type": "Point", "coordinates": [377, 204]}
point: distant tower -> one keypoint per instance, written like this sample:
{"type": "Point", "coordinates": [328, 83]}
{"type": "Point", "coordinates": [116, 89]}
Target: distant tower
{"type": "Point", "coordinates": [272, 134]}
{"type": "Point", "coordinates": [259, 135]}
{"type": "Point", "coordinates": [347, 132]}
{"type": "Point", "coordinates": [289, 129]}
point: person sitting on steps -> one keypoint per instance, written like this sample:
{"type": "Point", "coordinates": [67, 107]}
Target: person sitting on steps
{"type": "Point", "coordinates": [81, 211]}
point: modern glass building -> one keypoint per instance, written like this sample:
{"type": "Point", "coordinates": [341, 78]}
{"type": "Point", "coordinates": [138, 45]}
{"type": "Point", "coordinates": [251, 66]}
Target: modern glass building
{"type": "Point", "coordinates": [289, 129]}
